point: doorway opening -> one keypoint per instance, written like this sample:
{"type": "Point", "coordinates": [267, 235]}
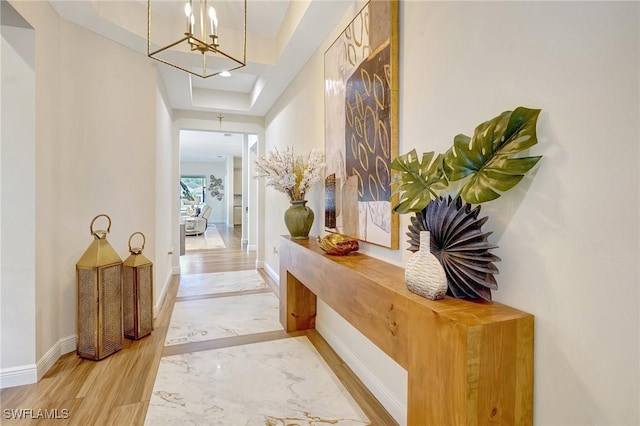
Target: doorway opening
{"type": "Point", "coordinates": [217, 193]}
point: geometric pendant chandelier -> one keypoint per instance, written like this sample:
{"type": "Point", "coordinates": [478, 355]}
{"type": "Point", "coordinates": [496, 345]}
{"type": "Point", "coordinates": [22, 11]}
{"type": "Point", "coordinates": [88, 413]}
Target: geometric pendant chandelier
{"type": "Point", "coordinates": [187, 35]}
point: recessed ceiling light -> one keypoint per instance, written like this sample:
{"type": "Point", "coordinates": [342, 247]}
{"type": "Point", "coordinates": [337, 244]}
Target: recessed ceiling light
{"type": "Point", "coordinates": [225, 74]}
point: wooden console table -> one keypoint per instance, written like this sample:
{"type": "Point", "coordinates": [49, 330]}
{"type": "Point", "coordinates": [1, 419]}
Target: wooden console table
{"type": "Point", "coordinates": [468, 363]}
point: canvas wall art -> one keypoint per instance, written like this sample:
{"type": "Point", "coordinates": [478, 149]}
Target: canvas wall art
{"type": "Point", "coordinates": [361, 126]}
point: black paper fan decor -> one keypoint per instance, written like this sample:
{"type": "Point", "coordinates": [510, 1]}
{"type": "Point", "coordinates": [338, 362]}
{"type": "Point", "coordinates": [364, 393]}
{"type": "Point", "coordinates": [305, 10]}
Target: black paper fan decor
{"type": "Point", "coordinates": [459, 244]}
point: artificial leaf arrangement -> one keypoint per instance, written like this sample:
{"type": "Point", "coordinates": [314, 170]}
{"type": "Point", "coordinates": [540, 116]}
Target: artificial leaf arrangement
{"type": "Point", "coordinates": [483, 166]}
{"type": "Point", "coordinates": [484, 163]}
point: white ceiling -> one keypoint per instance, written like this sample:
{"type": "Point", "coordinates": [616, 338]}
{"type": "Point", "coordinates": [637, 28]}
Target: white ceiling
{"type": "Point", "coordinates": [198, 145]}
{"type": "Point", "coordinates": [281, 36]}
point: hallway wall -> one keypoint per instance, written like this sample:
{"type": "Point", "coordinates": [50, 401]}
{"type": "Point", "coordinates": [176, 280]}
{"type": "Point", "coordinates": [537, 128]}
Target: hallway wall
{"type": "Point", "coordinates": [568, 235]}
{"type": "Point", "coordinates": [95, 149]}
{"type": "Point", "coordinates": [106, 150]}
{"type": "Point", "coordinates": [165, 201]}
{"type": "Point", "coordinates": [17, 195]}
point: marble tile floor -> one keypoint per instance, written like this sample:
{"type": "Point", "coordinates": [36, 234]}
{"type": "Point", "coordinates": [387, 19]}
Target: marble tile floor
{"type": "Point", "coordinates": [206, 319]}
{"type": "Point", "coordinates": [278, 382]}
{"type": "Point", "coordinates": [220, 282]}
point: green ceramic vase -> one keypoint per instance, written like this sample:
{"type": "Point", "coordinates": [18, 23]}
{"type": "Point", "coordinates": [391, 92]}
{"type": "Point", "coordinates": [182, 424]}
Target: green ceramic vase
{"type": "Point", "coordinates": [299, 219]}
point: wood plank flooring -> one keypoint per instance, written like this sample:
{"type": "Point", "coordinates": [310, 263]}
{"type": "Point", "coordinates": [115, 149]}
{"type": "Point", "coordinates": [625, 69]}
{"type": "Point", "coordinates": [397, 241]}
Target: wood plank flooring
{"type": "Point", "coordinates": [116, 390]}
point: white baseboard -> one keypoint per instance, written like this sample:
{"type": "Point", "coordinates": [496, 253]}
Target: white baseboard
{"type": "Point", "coordinates": [252, 247]}
{"type": "Point", "coordinates": [273, 274]}
{"type": "Point", "coordinates": [397, 409]}
{"type": "Point", "coordinates": [18, 376]}
{"type": "Point", "coordinates": [259, 264]}
{"type": "Point", "coordinates": [62, 346]}
{"type": "Point", "coordinates": [27, 374]}
{"type": "Point", "coordinates": [68, 344]}
{"type": "Point", "coordinates": [175, 270]}
{"type": "Point", "coordinates": [163, 293]}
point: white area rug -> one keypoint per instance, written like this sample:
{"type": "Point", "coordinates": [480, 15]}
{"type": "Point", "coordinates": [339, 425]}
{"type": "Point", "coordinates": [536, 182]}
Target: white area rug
{"type": "Point", "coordinates": [220, 282]}
{"type": "Point", "coordinates": [282, 382]}
{"type": "Point", "coordinates": [210, 239]}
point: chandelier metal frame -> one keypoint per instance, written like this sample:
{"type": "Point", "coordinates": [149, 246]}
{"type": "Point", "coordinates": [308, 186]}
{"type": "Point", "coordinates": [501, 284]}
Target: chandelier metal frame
{"type": "Point", "coordinates": [197, 44]}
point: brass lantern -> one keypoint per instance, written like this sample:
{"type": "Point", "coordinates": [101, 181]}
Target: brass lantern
{"type": "Point", "coordinates": [137, 292]}
{"type": "Point", "coordinates": [99, 290]}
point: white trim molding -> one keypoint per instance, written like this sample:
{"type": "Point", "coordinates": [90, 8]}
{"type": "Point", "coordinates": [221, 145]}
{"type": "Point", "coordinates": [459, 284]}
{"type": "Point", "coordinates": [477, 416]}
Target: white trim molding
{"type": "Point", "coordinates": [395, 407]}
{"type": "Point", "coordinates": [62, 346]}
{"type": "Point", "coordinates": [28, 374]}
{"type": "Point", "coordinates": [273, 274]}
{"type": "Point", "coordinates": [18, 376]}
{"type": "Point", "coordinates": [68, 344]}
{"type": "Point", "coordinates": [252, 247]}
{"type": "Point", "coordinates": [163, 293]}
{"type": "Point", "coordinates": [259, 264]}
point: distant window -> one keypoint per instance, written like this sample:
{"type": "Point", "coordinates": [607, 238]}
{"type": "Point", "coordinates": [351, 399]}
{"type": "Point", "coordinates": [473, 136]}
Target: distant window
{"type": "Point", "coordinates": [196, 186]}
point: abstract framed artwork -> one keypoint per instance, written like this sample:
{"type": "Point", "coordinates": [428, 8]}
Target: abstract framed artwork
{"type": "Point", "coordinates": [361, 126]}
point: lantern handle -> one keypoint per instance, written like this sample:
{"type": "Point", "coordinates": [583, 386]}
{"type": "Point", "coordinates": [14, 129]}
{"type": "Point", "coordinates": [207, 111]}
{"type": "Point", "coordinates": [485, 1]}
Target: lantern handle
{"type": "Point", "coordinates": [144, 241]}
{"type": "Point", "coordinates": [93, 221]}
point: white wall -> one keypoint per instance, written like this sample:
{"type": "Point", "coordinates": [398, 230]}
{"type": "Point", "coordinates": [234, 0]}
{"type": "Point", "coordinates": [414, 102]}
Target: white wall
{"type": "Point", "coordinates": [568, 234]}
{"type": "Point", "coordinates": [17, 208]}
{"type": "Point", "coordinates": [238, 182]}
{"type": "Point", "coordinates": [47, 291]}
{"type": "Point", "coordinates": [237, 185]}
{"type": "Point", "coordinates": [106, 150]}
{"type": "Point", "coordinates": [206, 169]}
{"type": "Point", "coordinates": [252, 193]}
{"type": "Point", "coordinates": [95, 152]}
{"type": "Point", "coordinates": [164, 195]}
{"type": "Point", "coordinates": [245, 177]}
{"type": "Point", "coordinates": [228, 195]}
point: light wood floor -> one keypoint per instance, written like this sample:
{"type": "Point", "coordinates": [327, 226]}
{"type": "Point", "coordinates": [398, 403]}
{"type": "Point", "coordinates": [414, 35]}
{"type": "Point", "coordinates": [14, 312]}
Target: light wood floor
{"type": "Point", "coordinates": [116, 390]}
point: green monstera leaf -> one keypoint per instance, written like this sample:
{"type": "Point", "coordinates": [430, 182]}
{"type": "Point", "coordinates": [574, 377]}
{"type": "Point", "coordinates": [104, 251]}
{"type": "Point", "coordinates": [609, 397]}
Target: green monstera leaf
{"type": "Point", "coordinates": [417, 182]}
{"type": "Point", "coordinates": [486, 159]}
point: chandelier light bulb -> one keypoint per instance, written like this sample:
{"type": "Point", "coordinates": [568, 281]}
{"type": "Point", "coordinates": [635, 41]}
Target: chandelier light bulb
{"type": "Point", "coordinates": [187, 12]}
{"type": "Point", "coordinates": [214, 21]}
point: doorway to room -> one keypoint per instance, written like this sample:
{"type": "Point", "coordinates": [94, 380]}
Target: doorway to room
{"type": "Point", "coordinates": [216, 191]}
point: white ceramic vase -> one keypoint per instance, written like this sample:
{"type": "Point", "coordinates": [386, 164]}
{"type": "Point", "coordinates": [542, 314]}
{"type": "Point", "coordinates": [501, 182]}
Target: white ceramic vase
{"type": "Point", "coordinates": [424, 274]}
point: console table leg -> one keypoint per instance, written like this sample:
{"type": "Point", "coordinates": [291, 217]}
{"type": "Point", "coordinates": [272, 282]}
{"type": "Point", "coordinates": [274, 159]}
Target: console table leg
{"type": "Point", "coordinates": [461, 374]}
{"type": "Point", "coordinates": [297, 305]}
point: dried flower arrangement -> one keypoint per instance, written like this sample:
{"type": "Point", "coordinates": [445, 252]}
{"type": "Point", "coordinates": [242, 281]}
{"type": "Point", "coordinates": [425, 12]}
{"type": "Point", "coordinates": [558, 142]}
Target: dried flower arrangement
{"type": "Point", "coordinates": [291, 175]}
